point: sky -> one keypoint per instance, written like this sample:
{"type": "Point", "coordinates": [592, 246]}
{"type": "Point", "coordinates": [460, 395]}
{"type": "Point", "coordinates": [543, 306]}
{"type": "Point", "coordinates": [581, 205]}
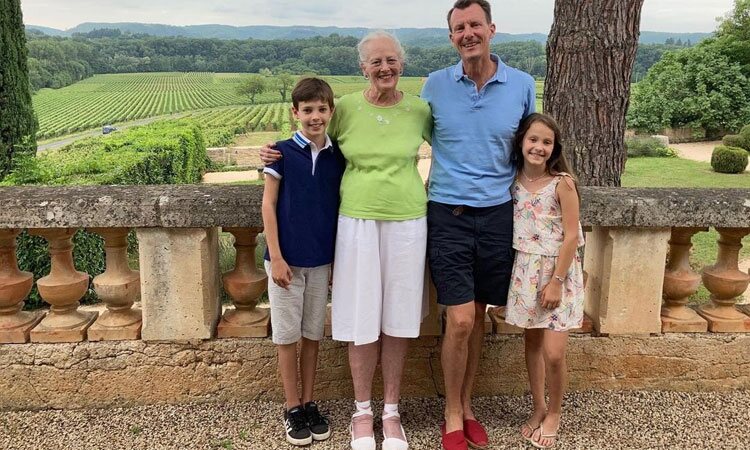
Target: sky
{"type": "Point", "coordinates": [510, 16]}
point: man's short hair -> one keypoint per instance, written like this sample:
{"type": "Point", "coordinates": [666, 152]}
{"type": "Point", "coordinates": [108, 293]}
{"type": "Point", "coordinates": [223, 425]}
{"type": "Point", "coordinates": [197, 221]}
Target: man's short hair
{"type": "Point", "coordinates": [463, 4]}
{"type": "Point", "coordinates": [310, 89]}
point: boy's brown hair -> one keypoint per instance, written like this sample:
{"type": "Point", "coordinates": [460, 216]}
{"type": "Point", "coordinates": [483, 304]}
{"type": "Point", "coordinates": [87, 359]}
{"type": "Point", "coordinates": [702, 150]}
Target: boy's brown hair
{"type": "Point", "coordinates": [463, 4]}
{"type": "Point", "coordinates": [310, 89]}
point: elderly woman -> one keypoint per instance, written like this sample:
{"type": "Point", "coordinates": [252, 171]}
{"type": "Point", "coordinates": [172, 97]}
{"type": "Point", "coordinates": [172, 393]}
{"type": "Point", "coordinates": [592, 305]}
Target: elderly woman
{"type": "Point", "coordinates": [378, 300]}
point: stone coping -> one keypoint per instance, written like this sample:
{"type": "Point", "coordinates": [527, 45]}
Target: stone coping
{"type": "Point", "coordinates": [198, 206]}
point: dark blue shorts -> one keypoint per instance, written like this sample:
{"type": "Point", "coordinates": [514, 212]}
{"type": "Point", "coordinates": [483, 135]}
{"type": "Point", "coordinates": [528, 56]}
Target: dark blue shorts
{"type": "Point", "coordinates": [470, 252]}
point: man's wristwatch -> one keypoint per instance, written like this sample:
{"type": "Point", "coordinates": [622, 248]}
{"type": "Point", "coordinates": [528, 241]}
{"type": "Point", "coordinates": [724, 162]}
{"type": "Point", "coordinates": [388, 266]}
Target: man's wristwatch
{"type": "Point", "coordinates": [559, 278]}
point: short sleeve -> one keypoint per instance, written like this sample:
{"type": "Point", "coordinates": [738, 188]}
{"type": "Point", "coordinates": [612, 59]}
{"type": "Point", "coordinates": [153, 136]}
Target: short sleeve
{"type": "Point", "coordinates": [530, 99]}
{"type": "Point", "coordinates": [428, 124]}
{"type": "Point", "coordinates": [427, 91]}
{"type": "Point", "coordinates": [334, 126]}
{"type": "Point", "coordinates": [276, 169]}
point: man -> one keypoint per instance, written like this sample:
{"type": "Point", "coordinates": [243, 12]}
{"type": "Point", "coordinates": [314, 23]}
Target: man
{"type": "Point", "coordinates": [477, 106]}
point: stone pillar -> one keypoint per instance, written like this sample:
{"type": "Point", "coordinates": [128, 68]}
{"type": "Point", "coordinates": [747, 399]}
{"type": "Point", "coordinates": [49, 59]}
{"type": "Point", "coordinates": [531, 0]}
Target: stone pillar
{"type": "Point", "coordinates": [726, 283]}
{"type": "Point", "coordinates": [626, 277]}
{"type": "Point", "coordinates": [680, 282]}
{"type": "Point", "coordinates": [118, 287]}
{"type": "Point", "coordinates": [179, 283]}
{"type": "Point", "coordinates": [245, 284]}
{"type": "Point", "coordinates": [15, 286]}
{"type": "Point", "coordinates": [432, 324]}
{"type": "Point", "coordinates": [63, 288]}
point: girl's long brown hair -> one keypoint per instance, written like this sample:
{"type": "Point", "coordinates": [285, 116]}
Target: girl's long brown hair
{"type": "Point", "coordinates": [557, 162]}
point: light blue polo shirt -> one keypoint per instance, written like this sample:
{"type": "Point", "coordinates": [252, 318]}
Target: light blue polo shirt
{"type": "Point", "coordinates": [473, 133]}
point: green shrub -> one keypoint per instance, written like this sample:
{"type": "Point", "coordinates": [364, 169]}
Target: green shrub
{"type": "Point", "coordinates": [647, 146]}
{"type": "Point", "coordinates": [736, 140]}
{"type": "Point", "coordinates": [729, 159]}
{"type": "Point", "coordinates": [160, 153]}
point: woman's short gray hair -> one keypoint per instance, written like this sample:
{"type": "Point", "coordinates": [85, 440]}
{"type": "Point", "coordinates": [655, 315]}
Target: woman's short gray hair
{"type": "Point", "coordinates": [377, 34]}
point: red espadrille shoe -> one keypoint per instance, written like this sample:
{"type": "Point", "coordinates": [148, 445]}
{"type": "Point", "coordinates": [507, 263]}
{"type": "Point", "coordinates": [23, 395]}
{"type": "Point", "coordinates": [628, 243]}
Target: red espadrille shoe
{"type": "Point", "coordinates": [454, 440]}
{"type": "Point", "coordinates": [475, 434]}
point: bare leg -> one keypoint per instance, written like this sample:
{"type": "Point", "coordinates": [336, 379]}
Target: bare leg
{"type": "Point", "coordinates": [454, 357]}
{"type": "Point", "coordinates": [555, 343]}
{"type": "Point", "coordinates": [308, 365]}
{"type": "Point", "coordinates": [362, 361]}
{"type": "Point", "coordinates": [392, 359]}
{"type": "Point", "coordinates": [288, 369]}
{"type": "Point", "coordinates": [476, 340]}
{"type": "Point", "coordinates": [533, 340]}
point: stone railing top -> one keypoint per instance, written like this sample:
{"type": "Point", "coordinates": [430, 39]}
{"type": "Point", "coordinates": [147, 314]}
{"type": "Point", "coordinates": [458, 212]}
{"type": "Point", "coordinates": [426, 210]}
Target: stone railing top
{"type": "Point", "coordinates": [186, 206]}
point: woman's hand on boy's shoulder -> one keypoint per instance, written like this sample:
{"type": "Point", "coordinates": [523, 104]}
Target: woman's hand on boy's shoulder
{"type": "Point", "coordinates": [269, 154]}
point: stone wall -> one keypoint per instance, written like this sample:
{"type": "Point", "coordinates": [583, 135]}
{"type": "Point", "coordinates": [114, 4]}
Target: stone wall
{"type": "Point", "coordinates": [105, 374]}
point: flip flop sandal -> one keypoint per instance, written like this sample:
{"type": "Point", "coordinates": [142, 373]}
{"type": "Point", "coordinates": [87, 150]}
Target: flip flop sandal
{"type": "Point", "coordinates": [544, 436]}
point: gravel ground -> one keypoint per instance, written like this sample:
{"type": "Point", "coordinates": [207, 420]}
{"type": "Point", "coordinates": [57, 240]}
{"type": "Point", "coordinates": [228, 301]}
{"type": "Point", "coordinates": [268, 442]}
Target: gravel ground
{"type": "Point", "coordinates": [592, 420]}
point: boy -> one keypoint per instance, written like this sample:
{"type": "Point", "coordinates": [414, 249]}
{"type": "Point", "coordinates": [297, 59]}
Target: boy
{"type": "Point", "coordinates": [300, 211]}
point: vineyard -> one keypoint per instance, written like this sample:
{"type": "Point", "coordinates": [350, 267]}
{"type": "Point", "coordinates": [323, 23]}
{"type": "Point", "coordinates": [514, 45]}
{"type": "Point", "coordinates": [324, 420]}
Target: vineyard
{"type": "Point", "coordinates": [115, 98]}
{"type": "Point", "coordinates": [221, 125]}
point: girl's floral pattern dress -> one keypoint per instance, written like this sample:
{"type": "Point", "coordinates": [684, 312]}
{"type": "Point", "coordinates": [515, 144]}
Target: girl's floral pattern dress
{"type": "Point", "coordinates": [537, 238]}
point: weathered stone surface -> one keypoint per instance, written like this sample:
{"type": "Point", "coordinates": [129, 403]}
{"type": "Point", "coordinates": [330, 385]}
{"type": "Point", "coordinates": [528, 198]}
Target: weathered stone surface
{"type": "Point", "coordinates": [125, 373]}
{"type": "Point", "coordinates": [200, 206]}
{"type": "Point", "coordinates": [179, 283]}
{"type": "Point", "coordinates": [623, 297]}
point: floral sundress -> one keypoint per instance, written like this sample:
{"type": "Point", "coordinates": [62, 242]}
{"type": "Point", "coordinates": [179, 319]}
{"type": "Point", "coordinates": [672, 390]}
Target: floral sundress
{"type": "Point", "coordinates": [537, 238]}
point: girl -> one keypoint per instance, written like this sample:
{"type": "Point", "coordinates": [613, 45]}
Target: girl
{"type": "Point", "coordinates": [546, 292]}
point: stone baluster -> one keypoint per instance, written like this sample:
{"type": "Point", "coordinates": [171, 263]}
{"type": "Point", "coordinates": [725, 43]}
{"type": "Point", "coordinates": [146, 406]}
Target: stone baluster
{"type": "Point", "coordinates": [15, 286]}
{"type": "Point", "coordinates": [63, 288]}
{"type": "Point", "coordinates": [245, 284]}
{"type": "Point", "coordinates": [118, 287]}
{"type": "Point", "coordinates": [680, 282]}
{"type": "Point", "coordinates": [726, 283]}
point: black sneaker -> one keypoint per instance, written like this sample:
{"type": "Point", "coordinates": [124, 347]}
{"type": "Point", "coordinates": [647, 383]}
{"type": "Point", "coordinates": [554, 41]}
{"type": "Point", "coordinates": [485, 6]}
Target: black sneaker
{"type": "Point", "coordinates": [317, 422]}
{"type": "Point", "coordinates": [297, 431]}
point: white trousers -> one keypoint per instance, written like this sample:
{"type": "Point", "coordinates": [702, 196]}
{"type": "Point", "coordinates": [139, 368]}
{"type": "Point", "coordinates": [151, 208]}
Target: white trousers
{"type": "Point", "coordinates": [378, 279]}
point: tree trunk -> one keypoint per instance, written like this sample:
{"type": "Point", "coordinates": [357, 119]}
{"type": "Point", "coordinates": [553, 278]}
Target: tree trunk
{"type": "Point", "coordinates": [590, 55]}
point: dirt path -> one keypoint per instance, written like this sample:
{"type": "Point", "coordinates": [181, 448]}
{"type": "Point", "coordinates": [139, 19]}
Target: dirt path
{"type": "Point", "coordinates": [698, 151]}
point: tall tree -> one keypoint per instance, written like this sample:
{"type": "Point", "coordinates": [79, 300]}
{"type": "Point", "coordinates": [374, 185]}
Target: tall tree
{"type": "Point", "coordinates": [590, 54]}
{"type": "Point", "coordinates": [284, 82]}
{"type": "Point", "coordinates": [252, 85]}
{"type": "Point", "coordinates": [18, 124]}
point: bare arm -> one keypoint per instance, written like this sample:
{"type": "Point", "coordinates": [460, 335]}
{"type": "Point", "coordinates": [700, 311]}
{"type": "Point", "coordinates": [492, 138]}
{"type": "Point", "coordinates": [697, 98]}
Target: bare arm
{"type": "Point", "coordinates": [280, 271]}
{"type": "Point", "coordinates": [569, 204]}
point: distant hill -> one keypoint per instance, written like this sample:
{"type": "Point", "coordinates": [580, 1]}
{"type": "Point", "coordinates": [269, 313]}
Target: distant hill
{"type": "Point", "coordinates": [417, 37]}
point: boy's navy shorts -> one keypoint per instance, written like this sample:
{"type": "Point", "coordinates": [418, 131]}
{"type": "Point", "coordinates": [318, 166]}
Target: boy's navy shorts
{"type": "Point", "coordinates": [470, 252]}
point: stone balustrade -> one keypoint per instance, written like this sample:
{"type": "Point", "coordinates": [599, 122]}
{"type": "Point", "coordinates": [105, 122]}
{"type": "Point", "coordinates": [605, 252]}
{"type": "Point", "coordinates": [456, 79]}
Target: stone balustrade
{"type": "Point", "coordinates": [637, 259]}
{"type": "Point", "coordinates": [631, 233]}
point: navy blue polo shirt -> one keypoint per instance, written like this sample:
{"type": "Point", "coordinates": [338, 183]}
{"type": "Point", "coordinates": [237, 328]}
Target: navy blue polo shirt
{"type": "Point", "coordinates": [308, 203]}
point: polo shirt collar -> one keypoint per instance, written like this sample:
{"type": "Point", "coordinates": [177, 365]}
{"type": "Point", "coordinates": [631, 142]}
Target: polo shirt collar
{"type": "Point", "coordinates": [501, 75]}
{"type": "Point", "coordinates": [303, 142]}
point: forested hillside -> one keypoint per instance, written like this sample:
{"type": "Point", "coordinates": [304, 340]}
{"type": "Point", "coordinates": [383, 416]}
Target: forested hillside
{"type": "Point", "coordinates": [56, 62]}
